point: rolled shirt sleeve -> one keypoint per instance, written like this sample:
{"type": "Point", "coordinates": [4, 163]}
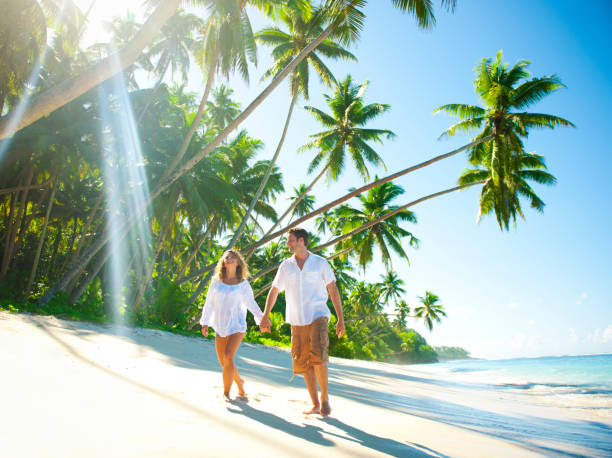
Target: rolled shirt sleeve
{"type": "Point", "coordinates": [279, 281]}
{"type": "Point", "coordinates": [327, 273]}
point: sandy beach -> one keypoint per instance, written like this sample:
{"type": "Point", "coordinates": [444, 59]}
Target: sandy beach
{"type": "Point", "coordinates": [79, 389]}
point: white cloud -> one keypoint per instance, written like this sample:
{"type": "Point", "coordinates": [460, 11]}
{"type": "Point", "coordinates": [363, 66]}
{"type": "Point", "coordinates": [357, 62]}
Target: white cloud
{"type": "Point", "coordinates": [582, 298]}
{"type": "Point", "coordinates": [514, 305]}
{"type": "Point", "coordinates": [599, 336]}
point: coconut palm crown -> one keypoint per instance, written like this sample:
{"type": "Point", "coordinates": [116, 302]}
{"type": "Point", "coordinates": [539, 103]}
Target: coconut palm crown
{"type": "Point", "coordinates": [505, 93]}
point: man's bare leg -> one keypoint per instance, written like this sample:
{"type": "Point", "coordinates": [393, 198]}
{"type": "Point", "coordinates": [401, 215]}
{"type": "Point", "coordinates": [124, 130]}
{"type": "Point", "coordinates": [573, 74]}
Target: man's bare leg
{"type": "Point", "coordinates": [311, 384]}
{"type": "Point", "coordinates": [322, 378]}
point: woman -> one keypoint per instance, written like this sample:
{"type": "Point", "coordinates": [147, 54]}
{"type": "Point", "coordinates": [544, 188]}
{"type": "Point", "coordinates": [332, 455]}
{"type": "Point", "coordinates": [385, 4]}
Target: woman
{"type": "Point", "coordinates": [228, 298]}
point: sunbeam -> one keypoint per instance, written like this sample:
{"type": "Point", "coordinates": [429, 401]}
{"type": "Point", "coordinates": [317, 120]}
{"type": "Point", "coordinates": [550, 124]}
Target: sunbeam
{"type": "Point", "coordinates": [126, 191]}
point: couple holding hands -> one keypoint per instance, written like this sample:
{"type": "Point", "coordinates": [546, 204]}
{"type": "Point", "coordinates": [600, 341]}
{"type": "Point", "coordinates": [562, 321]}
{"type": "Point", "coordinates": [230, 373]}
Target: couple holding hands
{"type": "Point", "coordinates": [306, 279]}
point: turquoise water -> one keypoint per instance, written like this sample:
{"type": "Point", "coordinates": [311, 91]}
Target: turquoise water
{"type": "Point", "coordinates": [580, 374]}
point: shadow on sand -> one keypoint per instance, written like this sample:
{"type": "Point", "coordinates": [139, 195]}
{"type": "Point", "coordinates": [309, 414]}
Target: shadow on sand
{"type": "Point", "coordinates": [526, 431]}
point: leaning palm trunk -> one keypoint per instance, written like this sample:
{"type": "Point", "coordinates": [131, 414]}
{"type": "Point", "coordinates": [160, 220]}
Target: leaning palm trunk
{"type": "Point", "coordinates": [367, 226]}
{"type": "Point", "coordinates": [58, 96]}
{"type": "Point", "coordinates": [196, 121]}
{"type": "Point", "coordinates": [41, 242]}
{"type": "Point", "coordinates": [294, 204]}
{"type": "Point", "coordinates": [264, 181]}
{"type": "Point", "coordinates": [344, 198]}
{"type": "Point", "coordinates": [77, 266]}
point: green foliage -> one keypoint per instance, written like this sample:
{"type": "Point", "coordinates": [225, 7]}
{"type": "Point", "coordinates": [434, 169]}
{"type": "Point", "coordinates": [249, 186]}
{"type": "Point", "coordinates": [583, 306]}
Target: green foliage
{"type": "Point", "coordinates": [168, 304]}
{"type": "Point", "coordinates": [452, 353]}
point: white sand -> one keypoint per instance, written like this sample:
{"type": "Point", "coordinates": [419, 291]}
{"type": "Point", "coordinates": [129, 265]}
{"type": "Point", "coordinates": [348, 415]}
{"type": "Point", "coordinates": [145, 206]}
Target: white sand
{"type": "Point", "coordinates": [84, 390]}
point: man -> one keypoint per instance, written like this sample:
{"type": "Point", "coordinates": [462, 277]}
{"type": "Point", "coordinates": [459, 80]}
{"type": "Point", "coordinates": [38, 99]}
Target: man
{"type": "Point", "coordinates": [307, 279]}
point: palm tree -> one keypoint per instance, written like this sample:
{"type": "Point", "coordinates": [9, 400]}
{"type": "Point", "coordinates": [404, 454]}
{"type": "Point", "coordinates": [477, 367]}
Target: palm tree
{"type": "Point", "coordinates": [526, 167]}
{"type": "Point", "coordinates": [344, 16]}
{"type": "Point", "coordinates": [306, 204]}
{"type": "Point", "coordinates": [505, 93]}
{"type": "Point", "coordinates": [345, 134]}
{"type": "Point", "coordinates": [402, 312]}
{"type": "Point", "coordinates": [392, 287]}
{"type": "Point", "coordinates": [385, 234]}
{"type": "Point", "coordinates": [430, 311]}
{"type": "Point", "coordinates": [304, 25]}
{"type": "Point", "coordinates": [222, 109]}
{"type": "Point", "coordinates": [174, 46]}
{"type": "Point", "coordinates": [347, 18]}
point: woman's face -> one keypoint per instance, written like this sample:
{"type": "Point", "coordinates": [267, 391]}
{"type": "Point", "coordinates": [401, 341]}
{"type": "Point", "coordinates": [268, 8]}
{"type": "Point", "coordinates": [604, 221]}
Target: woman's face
{"type": "Point", "coordinates": [230, 259]}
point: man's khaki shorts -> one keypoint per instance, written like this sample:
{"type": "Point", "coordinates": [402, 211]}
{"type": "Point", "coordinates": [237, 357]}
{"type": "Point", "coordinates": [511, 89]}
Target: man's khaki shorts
{"type": "Point", "coordinates": [309, 345]}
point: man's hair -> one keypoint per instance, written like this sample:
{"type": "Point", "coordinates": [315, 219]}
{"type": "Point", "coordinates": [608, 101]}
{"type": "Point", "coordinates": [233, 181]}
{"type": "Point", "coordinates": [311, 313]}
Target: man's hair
{"type": "Point", "coordinates": [300, 233]}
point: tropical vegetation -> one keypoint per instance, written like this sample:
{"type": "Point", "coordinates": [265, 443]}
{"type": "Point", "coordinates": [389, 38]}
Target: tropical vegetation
{"type": "Point", "coordinates": [119, 189]}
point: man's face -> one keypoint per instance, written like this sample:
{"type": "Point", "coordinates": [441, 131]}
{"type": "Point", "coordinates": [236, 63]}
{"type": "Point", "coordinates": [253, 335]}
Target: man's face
{"type": "Point", "coordinates": [292, 243]}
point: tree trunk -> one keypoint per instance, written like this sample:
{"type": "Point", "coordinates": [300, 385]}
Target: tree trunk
{"type": "Point", "coordinates": [27, 220]}
{"type": "Point", "coordinates": [144, 283]}
{"type": "Point", "coordinates": [50, 100]}
{"type": "Point", "coordinates": [76, 267]}
{"type": "Point", "coordinates": [197, 119]}
{"type": "Point", "coordinates": [12, 233]}
{"type": "Point", "coordinates": [299, 199]}
{"type": "Point", "coordinates": [342, 199]}
{"type": "Point", "coordinates": [264, 181]}
{"type": "Point", "coordinates": [88, 222]}
{"type": "Point", "coordinates": [193, 254]}
{"type": "Point", "coordinates": [42, 185]}
{"type": "Point", "coordinates": [41, 242]}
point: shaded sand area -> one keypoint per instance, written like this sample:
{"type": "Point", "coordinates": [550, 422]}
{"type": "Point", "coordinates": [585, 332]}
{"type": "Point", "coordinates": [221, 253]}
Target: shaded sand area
{"type": "Point", "coordinates": [78, 389]}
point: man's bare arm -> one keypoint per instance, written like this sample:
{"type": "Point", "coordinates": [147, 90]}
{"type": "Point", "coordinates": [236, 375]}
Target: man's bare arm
{"type": "Point", "coordinates": [265, 325]}
{"type": "Point", "coordinates": [334, 294]}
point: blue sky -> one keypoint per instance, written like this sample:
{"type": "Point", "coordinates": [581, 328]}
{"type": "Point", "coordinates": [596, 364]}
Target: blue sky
{"type": "Point", "coordinates": [542, 289]}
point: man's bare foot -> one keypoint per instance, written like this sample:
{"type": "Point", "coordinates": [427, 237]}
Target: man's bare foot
{"type": "Point", "coordinates": [240, 384]}
{"type": "Point", "coordinates": [314, 410]}
{"type": "Point", "coordinates": [325, 408]}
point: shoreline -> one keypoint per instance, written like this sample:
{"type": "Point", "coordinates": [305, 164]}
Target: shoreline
{"type": "Point", "coordinates": [82, 389]}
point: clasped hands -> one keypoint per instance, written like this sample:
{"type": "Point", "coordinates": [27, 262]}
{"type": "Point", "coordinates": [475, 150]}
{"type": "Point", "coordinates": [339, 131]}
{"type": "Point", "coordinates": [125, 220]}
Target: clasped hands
{"type": "Point", "coordinates": [265, 326]}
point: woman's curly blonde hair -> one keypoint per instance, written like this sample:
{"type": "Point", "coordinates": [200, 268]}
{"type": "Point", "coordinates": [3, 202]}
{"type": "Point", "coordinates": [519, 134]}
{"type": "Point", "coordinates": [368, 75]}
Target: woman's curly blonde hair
{"type": "Point", "coordinates": [242, 271]}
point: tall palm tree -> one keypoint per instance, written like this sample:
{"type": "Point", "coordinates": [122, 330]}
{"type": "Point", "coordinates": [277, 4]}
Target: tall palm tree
{"type": "Point", "coordinates": [348, 18]}
{"type": "Point", "coordinates": [386, 234]}
{"type": "Point", "coordinates": [346, 134]}
{"type": "Point", "coordinates": [431, 311]}
{"type": "Point", "coordinates": [505, 93]}
{"type": "Point", "coordinates": [304, 24]}
{"type": "Point", "coordinates": [345, 15]}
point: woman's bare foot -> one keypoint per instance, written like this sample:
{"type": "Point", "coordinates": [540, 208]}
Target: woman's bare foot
{"type": "Point", "coordinates": [226, 398]}
{"type": "Point", "coordinates": [314, 410]}
{"type": "Point", "coordinates": [241, 391]}
{"type": "Point", "coordinates": [325, 408]}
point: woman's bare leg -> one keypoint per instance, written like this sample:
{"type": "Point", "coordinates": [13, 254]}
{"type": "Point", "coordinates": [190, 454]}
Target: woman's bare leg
{"type": "Point", "coordinates": [221, 345]}
{"type": "Point", "coordinates": [230, 373]}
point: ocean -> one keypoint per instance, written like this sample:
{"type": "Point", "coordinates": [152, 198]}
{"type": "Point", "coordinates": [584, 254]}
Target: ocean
{"type": "Point", "coordinates": [578, 387]}
{"type": "Point", "coordinates": [586, 374]}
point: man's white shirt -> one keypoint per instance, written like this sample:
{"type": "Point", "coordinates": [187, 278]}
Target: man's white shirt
{"type": "Point", "coordinates": [305, 289]}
